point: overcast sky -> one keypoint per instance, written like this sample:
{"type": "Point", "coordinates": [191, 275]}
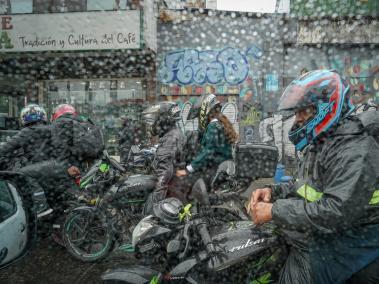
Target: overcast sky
{"type": "Point", "coordinates": [262, 6]}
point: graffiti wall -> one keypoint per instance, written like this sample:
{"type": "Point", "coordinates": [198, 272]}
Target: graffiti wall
{"type": "Point", "coordinates": [230, 56]}
{"type": "Point", "coordinates": [227, 66]}
{"type": "Point", "coordinates": [360, 67]}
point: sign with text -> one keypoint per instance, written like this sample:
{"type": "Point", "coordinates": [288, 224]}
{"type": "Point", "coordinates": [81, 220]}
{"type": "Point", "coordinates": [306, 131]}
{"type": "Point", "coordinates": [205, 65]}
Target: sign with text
{"type": "Point", "coordinates": [70, 31]}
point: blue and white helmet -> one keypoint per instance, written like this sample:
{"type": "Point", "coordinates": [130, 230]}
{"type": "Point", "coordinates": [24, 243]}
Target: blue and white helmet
{"type": "Point", "coordinates": [33, 113]}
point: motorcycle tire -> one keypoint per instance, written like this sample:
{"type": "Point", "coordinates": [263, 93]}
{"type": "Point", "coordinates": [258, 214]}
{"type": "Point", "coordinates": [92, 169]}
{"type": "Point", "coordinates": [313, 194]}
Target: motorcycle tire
{"type": "Point", "coordinates": [80, 228]}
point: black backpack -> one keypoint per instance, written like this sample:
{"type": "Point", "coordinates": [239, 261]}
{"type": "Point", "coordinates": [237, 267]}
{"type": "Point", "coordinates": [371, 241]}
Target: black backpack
{"type": "Point", "coordinates": [88, 141]}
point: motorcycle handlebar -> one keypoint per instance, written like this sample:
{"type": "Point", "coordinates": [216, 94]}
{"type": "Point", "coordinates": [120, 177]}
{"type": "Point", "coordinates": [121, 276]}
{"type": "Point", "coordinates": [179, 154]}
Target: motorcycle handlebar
{"type": "Point", "coordinates": [221, 197]}
{"type": "Point", "coordinates": [204, 233]}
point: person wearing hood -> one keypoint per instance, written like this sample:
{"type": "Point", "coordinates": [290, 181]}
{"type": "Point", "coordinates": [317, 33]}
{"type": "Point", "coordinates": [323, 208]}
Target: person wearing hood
{"type": "Point", "coordinates": [329, 216]}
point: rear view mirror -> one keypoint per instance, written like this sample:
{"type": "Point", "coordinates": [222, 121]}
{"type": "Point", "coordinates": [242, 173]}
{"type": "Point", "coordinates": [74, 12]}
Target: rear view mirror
{"type": "Point", "coordinates": [199, 192]}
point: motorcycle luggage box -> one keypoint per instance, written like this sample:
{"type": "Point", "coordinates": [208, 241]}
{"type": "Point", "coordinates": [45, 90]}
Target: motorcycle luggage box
{"type": "Point", "coordinates": [241, 240]}
{"type": "Point", "coordinates": [255, 161]}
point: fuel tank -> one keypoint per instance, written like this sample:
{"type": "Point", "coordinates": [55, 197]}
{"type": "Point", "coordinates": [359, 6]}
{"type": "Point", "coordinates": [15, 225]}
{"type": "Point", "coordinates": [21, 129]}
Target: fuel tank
{"type": "Point", "coordinates": [137, 185]}
{"type": "Point", "coordinates": [241, 240]}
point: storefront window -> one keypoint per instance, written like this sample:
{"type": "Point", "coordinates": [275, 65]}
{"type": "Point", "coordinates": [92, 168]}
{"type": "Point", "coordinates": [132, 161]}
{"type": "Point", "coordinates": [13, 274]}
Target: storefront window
{"type": "Point", "coordinates": [16, 6]}
{"type": "Point", "coordinates": [5, 6]}
{"type": "Point", "coordinates": [103, 101]}
{"type": "Point", "coordinates": [129, 89]}
{"type": "Point", "coordinates": [93, 5]}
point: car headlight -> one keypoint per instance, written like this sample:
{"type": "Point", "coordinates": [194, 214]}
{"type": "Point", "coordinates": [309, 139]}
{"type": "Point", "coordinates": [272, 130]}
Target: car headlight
{"type": "Point", "coordinates": [142, 227]}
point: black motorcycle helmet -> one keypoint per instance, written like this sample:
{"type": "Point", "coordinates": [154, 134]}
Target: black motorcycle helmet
{"type": "Point", "coordinates": [161, 118]}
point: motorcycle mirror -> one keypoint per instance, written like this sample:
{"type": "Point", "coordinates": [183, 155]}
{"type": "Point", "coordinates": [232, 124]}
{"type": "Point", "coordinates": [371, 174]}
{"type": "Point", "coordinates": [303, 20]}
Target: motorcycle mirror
{"type": "Point", "coordinates": [199, 192]}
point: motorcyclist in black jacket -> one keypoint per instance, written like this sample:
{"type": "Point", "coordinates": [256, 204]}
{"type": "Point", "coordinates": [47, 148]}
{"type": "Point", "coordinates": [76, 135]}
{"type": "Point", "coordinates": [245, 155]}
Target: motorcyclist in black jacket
{"type": "Point", "coordinates": [62, 119]}
{"type": "Point", "coordinates": [161, 119]}
{"type": "Point", "coordinates": [330, 215]}
{"type": "Point", "coordinates": [28, 150]}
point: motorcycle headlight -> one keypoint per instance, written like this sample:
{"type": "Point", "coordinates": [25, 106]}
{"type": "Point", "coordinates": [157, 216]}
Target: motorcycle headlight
{"type": "Point", "coordinates": [142, 227]}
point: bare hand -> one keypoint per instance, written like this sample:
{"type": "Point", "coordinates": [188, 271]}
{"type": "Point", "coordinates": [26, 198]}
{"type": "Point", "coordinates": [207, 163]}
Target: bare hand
{"type": "Point", "coordinates": [73, 171]}
{"type": "Point", "coordinates": [261, 213]}
{"type": "Point", "coordinates": [181, 173]}
{"type": "Point", "coordinates": [260, 195]}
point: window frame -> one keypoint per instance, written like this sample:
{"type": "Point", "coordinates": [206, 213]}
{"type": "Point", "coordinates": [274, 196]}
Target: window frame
{"type": "Point", "coordinates": [14, 204]}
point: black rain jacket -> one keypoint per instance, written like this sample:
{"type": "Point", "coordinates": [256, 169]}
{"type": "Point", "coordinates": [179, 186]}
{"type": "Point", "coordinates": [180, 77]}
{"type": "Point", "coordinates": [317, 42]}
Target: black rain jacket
{"type": "Point", "coordinates": [345, 168]}
{"type": "Point", "coordinates": [30, 145]}
{"type": "Point", "coordinates": [169, 156]}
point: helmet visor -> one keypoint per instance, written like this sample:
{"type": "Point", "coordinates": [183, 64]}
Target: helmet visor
{"type": "Point", "coordinates": [150, 115]}
{"type": "Point", "coordinates": [149, 118]}
{"type": "Point", "coordinates": [300, 95]}
{"type": "Point", "coordinates": [292, 98]}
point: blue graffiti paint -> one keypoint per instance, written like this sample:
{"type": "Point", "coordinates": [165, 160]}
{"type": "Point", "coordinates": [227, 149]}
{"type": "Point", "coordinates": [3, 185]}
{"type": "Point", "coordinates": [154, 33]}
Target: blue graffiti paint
{"type": "Point", "coordinates": [190, 66]}
{"type": "Point", "coordinates": [254, 51]}
{"type": "Point", "coordinates": [235, 65]}
{"type": "Point", "coordinates": [272, 82]}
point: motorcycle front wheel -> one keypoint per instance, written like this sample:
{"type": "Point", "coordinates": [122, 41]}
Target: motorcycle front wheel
{"type": "Point", "coordinates": [87, 235]}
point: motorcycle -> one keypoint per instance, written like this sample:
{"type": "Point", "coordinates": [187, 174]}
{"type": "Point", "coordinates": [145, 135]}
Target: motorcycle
{"type": "Point", "coordinates": [90, 232]}
{"type": "Point", "coordinates": [91, 186]}
{"type": "Point", "coordinates": [185, 244]}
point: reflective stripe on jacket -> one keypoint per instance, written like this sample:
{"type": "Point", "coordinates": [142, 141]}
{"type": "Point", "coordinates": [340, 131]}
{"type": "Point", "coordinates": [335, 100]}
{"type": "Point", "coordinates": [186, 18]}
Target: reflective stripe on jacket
{"type": "Point", "coordinates": [310, 194]}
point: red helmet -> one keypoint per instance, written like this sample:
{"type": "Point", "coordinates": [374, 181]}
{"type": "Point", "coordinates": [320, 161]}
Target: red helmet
{"type": "Point", "coordinates": [61, 110]}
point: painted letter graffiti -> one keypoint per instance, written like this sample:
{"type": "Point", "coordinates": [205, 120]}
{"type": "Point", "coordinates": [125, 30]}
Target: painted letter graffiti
{"type": "Point", "coordinates": [253, 117]}
{"type": "Point", "coordinates": [190, 66]}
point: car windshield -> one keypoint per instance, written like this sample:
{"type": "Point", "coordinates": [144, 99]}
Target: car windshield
{"type": "Point", "coordinates": [83, 127]}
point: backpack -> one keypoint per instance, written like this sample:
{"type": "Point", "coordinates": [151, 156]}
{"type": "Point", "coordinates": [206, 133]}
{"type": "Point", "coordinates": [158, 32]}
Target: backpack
{"type": "Point", "coordinates": [88, 141]}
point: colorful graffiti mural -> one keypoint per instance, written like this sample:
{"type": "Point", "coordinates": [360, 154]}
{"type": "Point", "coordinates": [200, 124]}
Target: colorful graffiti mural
{"type": "Point", "coordinates": [361, 73]}
{"type": "Point", "coordinates": [251, 117]}
{"type": "Point", "coordinates": [189, 66]}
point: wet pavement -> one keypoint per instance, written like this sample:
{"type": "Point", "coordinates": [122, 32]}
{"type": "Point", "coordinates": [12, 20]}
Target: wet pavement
{"type": "Point", "coordinates": [50, 263]}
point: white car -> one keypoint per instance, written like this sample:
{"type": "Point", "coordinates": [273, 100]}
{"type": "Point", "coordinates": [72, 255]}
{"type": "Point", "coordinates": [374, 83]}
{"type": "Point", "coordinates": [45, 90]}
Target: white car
{"type": "Point", "coordinates": [14, 226]}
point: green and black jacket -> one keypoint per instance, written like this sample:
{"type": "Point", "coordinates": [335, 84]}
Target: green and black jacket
{"type": "Point", "coordinates": [214, 150]}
